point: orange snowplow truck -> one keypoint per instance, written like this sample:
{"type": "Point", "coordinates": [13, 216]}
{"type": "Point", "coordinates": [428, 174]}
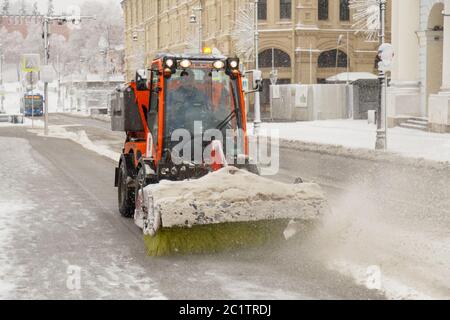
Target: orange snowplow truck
{"type": "Point", "coordinates": [184, 118]}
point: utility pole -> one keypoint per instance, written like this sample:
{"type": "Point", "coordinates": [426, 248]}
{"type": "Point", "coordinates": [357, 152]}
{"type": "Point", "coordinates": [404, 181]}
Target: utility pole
{"type": "Point", "coordinates": [58, 66]}
{"type": "Point", "coordinates": [257, 109]}
{"type": "Point", "coordinates": [194, 19]}
{"type": "Point", "coordinates": [2, 98]}
{"type": "Point", "coordinates": [338, 45]}
{"type": "Point", "coordinates": [46, 21]}
{"type": "Point", "coordinates": [200, 27]}
{"type": "Point", "coordinates": [348, 59]}
{"type": "Point", "coordinates": [381, 141]}
{"type": "Point", "coordinates": [310, 63]}
{"type": "Point", "coordinates": [46, 56]}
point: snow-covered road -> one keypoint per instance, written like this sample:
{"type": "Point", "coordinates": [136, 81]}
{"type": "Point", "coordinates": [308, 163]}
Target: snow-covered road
{"type": "Point", "coordinates": [388, 231]}
{"type": "Point", "coordinates": [48, 233]}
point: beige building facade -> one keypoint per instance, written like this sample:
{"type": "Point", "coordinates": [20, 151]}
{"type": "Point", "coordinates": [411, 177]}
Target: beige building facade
{"type": "Point", "coordinates": [420, 85]}
{"type": "Point", "coordinates": [303, 34]}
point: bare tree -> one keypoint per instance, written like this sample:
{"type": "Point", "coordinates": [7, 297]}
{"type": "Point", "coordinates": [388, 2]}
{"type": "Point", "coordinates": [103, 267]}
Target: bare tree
{"type": "Point", "coordinates": [23, 8]}
{"type": "Point", "coordinates": [50, 8]}
{"type": "Point", "coordinates": [5, 7]}
{"type": "Point", "coordinates": [366, 17]}
{"type": "Point", "coordinates": [35, 10]}
{"type": "Point", "coordinates": [244, 30]}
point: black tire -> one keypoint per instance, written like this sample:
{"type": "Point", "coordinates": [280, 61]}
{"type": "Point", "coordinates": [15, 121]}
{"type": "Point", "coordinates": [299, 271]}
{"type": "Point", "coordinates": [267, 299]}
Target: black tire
{"type": "Point", "coordinates": [126, 196]}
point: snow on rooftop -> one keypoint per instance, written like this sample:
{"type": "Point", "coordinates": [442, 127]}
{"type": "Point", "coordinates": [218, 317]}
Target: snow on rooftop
{"type": "Point", "coordinates": [352, 76]}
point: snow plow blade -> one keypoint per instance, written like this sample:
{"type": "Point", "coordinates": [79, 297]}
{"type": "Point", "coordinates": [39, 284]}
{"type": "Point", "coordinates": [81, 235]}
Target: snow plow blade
{"type": "Point", "coordinates": [225, 210]}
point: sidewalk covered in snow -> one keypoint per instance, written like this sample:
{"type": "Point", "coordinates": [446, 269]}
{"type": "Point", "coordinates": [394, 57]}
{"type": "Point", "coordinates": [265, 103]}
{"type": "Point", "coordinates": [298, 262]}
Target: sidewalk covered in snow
{"type": "Point", "coordinates": [359, 134]}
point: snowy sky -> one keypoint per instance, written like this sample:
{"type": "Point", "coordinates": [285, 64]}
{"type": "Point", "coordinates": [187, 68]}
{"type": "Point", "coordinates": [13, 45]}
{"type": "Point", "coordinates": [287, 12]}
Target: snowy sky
{"type": "Point", "coordinates": [61, 4]}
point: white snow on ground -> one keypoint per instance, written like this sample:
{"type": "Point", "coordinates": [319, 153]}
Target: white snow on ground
{"type": "Point", "coordinates": [372, 278]}
{"type": "Point", "coordinates": [245, 290]}
{"type": "Point", "coordinates": [13, 206]}
{"type": "Point", "coordinates": [24, 225]}
{"type": "Point", "coordinates": [359, 134]}
{"type": "Point", "coordinates": [10, 211]}
{"type": "Point", "coordinates": [79, 137]}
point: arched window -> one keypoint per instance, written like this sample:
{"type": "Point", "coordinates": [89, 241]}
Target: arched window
{"type": "Point", "coordinates": [323, 9]}
{"type": "Point", "coordinates": [327, 59]}
{"type": "Point", "coordinates": [344, 10]}
{"type": "Point", "coordinates": [274, 57]}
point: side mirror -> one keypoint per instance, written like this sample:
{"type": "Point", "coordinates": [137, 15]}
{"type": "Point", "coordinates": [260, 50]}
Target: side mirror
{"type": "Point", "coordinates": [256, 81]}
{"type": "Point", "coordinates": [141, 80]}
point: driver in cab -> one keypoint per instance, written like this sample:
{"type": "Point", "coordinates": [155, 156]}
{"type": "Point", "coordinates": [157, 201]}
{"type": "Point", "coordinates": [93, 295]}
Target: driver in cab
{"type": "Point", "coordinates": [189, 103]}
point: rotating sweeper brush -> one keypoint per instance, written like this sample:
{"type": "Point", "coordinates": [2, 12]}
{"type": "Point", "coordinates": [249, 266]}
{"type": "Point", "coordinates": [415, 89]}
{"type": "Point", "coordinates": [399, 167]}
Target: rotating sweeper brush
{"type": "Point", "coordinates": [190, 189]}
{"type": "Point", "coordinates": [227, 209]}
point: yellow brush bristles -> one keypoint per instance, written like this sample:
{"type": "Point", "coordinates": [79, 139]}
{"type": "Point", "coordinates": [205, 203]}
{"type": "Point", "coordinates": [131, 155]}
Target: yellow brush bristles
{"type": "Point", "coordinates": [214, 238]}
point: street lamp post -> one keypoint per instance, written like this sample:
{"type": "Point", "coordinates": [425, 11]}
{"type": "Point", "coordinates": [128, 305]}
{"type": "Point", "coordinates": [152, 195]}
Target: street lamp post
{"type": "Point", "coordinates": [257, 111]}
{"type": "Point", "coordinates": [381, 143]}
{"type": "Point", "coordinates": [141, 55]}
{"type": "Point", "coordinates": [58, 66]}
{"type": "Point", "coordinates": [104, 47]}
{"type": "Point", "coordinates": [339, 42]}
{"type": "Point", "coordinates": [46, 56]}
{"type": "Point", "coordinates": [46, 22]}
{"type": "Point", "coordinates": [194, 20]}
{"type": "Point", "coordinates": [348, 60]}
{"type": "Point", "coordinates": [2, 97]}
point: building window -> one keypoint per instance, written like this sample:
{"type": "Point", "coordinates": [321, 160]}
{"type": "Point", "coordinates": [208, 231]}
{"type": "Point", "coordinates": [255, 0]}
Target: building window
{"type": "Point", "coordinates": [344, 10]}
{"type": "Point", "coordinates": [262, 10]}
{"type": "Point", "coordinates": [327, 59]}
{"type": "Point", "coordinates": [285, 9]}
{"type": "Point", "coordinates": [274, 58]}
{"type": "Point", "coordinates": [323, 9]}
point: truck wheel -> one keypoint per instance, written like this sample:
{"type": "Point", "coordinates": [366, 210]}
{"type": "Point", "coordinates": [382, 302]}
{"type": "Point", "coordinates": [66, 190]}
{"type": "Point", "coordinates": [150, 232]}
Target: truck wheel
{"type": "Point", "coordinates": [126, 193]}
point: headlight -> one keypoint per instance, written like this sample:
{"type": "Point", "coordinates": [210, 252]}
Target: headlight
{"type": "Point", "coordinates": [185, 63]}
{"type": "Point", "coordinates": [219, 64]}
{"type": "Point", "coordinates": [170, 63]}
{"type": "Point", "coordinates": [234, 64]}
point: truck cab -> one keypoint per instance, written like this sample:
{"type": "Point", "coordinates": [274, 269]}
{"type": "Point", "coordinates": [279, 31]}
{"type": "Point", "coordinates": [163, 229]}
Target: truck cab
{"type": "Point", "coordinates": [183, 118]}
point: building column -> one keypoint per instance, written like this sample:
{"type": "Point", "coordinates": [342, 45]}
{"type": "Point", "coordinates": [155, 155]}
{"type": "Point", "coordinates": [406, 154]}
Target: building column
{"type": "Point", "coordinates": [404, 93]}
{"type": "Point", "coordinates": [439, 104]}
{"type": "Point", "coordinates": [446, 60]}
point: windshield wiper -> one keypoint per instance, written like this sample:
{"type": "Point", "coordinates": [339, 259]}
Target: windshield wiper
{"type": "Point", "coordinates": [230, 117]}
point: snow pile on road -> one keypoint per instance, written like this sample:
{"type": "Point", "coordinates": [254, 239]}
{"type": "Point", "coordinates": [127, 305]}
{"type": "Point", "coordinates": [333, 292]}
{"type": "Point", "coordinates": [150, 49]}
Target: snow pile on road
{"type": "Point", "coordinates": [233, 195]}
{"type": "Point", "coordinates": [27, 122]}
{"type": "Point", "coordinates": [79, 137]}
{"type": "Point", "coordinates": [358, 134]}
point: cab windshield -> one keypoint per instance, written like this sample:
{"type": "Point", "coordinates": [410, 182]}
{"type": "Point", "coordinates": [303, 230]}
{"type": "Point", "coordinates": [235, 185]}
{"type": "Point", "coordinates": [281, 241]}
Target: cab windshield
{"type": "Point", "coordinates": [201, 95]}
